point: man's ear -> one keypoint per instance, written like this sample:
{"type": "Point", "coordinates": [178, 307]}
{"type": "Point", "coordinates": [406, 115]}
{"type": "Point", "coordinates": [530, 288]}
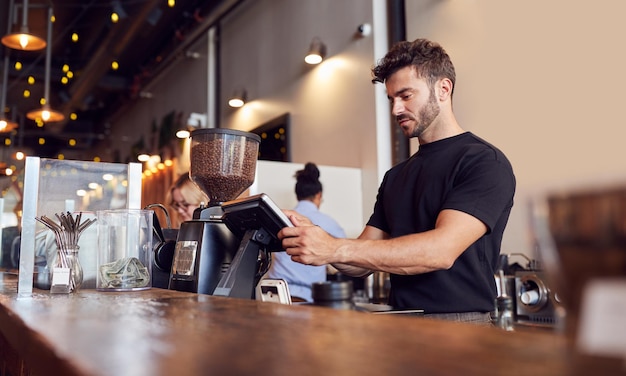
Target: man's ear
{"type": "Point", "coordinates": [444, 89]}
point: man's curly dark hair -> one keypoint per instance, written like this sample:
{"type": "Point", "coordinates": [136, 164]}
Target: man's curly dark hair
{"type": "Point", "coordinates": [429, 59]}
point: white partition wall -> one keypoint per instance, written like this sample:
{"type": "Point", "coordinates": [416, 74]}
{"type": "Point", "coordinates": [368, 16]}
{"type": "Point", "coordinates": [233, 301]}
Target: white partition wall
{"type": "Point", "coordinates": [342, 197]}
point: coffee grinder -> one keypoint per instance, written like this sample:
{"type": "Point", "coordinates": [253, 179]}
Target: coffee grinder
{"type": "Point", "coordinates": [223, 165]}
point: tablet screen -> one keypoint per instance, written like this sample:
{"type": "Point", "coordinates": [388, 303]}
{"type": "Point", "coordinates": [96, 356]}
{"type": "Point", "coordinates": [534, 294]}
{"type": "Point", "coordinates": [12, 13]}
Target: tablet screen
{"type": "Point", "coordinates": [253, 213]}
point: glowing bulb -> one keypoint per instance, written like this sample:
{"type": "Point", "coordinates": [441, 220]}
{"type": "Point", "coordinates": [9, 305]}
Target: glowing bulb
{"type": "Point", "coordinates": [235, 102]}
{"type": "Point", "coordinates": [74, 37]}
{"type": "Point", "coordinates": [23, 41]}
{"type": "Point", "coordinates": [3, 124]}
{"type": "Point", "coordinates": [313, 59]}
{"type": "Point", "coordinates": [183, 133]}
{"type": "Point", "coordinates": [45, 115]}
{"type": "Point", "coordinates": [115, 17]}
{"type": "Point", "coordinates": [19, 155]}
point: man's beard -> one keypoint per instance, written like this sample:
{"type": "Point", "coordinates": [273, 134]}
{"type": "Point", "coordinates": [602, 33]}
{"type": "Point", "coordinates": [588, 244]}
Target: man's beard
{"type": "Point", "coordinates": [426, 116]}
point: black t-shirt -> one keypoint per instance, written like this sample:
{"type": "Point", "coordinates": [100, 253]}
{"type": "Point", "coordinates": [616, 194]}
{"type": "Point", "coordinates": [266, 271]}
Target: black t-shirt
{"type": "Point", "coordinates": [463, 173]}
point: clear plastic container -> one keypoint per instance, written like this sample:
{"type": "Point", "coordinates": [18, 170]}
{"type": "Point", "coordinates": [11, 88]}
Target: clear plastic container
{"type": "Point", "coordinates": [125, 252]}
{"type": "Point", "coordinates": [223, 162]}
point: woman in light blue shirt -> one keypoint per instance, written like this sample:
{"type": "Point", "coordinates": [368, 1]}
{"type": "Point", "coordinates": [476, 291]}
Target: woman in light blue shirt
{"type": "Point", "coordinates": [300, 277]}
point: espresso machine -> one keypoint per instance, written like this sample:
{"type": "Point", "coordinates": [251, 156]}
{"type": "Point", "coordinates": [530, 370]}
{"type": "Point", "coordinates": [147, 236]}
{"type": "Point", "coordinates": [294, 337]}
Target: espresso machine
{"type": "Point", "coordinates": [223, 165]}
{"type": "Point", "coordinates": [535, 303]}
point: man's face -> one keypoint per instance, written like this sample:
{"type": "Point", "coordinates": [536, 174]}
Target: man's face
{"type": "Point", "coordinates": [413, 103]}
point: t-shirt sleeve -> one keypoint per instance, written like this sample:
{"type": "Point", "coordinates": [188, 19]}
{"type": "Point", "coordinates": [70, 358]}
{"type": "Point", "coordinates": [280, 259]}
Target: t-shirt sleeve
{"type": "Point", "coordinates": [484, 189]}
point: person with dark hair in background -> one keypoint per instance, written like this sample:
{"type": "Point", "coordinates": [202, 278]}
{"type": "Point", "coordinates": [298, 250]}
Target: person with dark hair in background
{"type": "Point", "coordinates": [300, 277]}
{"type": "Point", "coordinates": [439, 216]}
{"type": "Point", "coordinates": [185, 197]}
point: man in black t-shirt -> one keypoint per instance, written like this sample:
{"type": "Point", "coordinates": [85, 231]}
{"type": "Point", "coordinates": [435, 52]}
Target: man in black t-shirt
{"type": "Point", "coordinates": [439, 216]}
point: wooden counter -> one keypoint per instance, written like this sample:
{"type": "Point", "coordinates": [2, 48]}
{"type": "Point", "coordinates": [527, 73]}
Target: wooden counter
{"type": "Point", "coordinates": [161, 332]}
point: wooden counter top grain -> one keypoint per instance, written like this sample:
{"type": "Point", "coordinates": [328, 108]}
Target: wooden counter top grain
{"type": "Point", "coordinates": [162, 332]}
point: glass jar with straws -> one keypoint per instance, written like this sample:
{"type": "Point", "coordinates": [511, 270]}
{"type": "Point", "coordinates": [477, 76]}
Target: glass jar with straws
{"type": "Point", "coordinates": [67, 275]}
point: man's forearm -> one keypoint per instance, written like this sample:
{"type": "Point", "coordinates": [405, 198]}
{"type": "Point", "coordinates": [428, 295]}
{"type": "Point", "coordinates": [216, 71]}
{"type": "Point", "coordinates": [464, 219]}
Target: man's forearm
{"type": "Point", "coordinates": [353, 271]}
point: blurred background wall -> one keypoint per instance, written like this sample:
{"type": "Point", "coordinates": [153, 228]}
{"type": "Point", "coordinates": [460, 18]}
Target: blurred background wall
{"type": "Point", "coordinates": [540, 80]}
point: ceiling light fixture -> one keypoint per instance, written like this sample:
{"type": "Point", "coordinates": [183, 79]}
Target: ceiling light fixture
{"type": "Point", "coordinates": [194, 121]}
{"type": "Point", "coordinates": [5, 125]}
{"type": "Point", "coordinates": [140, 150]}
{"type": "Point", "coordinates": [183, 133]}
{"type": "Point", "coordinates": [45, 113]}
{"type": "Point", "coordinates": [23, 39]}
{"type": "Point", "coordinates": [317, 52]}
{"type": "Point", "coordinates": [238, 99]}
{"type": "Point", "coordinates": [143, 157]}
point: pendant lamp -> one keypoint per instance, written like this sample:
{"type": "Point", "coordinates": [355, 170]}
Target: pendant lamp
{"type": "Point", "coordinates": [23, 40]}
{"type": "Point", "coordinates": [45, 113]}
{"type": "Point", "coordinates": [5, 124]}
